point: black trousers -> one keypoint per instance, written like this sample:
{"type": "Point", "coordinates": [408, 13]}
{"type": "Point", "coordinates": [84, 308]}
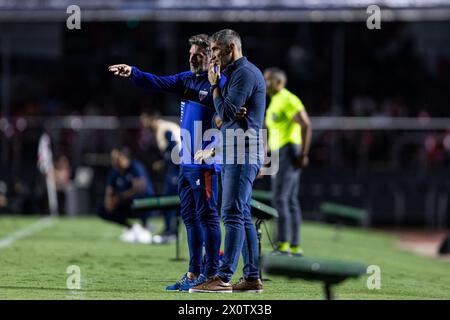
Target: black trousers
{"type": "Point", "coordinates": [122, 213]}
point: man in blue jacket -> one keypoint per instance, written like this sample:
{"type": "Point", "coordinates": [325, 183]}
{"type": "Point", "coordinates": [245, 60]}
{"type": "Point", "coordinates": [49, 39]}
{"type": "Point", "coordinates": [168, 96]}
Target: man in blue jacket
{"type": "Point", "coordinates": [242, 158]}
{"type": "Point", "coordinates": [127, 180]}
{"type": "Point", "coordinates": [198, 182]}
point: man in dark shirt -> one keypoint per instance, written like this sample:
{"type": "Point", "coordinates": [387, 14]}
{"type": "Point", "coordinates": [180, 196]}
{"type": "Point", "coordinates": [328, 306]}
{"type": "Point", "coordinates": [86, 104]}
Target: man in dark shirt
{"type": "Point", "coordinates": [127, 180]}
{"type": "Point", "coordinates": [242, 158]}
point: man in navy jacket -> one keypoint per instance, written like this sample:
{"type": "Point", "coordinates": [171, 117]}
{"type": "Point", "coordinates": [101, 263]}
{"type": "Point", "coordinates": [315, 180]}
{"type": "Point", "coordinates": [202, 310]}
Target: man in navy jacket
{"type": "Point", "coordinates": [242, 158]}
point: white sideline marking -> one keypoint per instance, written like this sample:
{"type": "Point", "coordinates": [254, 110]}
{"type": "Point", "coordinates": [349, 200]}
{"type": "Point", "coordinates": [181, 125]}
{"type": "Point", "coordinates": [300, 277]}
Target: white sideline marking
{"type": "Point", "coordinates": [27, 231]}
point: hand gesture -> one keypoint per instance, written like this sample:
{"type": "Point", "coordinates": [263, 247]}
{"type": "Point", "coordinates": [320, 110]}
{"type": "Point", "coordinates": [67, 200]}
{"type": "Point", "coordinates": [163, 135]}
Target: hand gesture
{"type": "Point", "coordinates": [122, 70]}
{"type": "Point", "coordinates": [201, 156]}
{"type": "Point", "coordinates": [214, 74]}
{"type": "Point", "coordinates": [241, 113]}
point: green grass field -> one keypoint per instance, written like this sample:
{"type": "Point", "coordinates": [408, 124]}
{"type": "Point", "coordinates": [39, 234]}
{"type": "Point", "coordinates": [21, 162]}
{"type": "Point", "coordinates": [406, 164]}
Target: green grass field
{"type": "Point", "coordinates": [34, 267]}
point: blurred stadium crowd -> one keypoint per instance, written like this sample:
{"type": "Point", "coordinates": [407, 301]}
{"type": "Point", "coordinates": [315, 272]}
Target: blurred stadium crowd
{"type": "Point", "coordinates": [401, 70]}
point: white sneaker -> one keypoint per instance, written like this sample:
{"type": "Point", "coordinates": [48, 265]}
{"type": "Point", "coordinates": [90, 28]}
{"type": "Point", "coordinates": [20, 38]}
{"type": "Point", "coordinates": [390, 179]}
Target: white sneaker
{"type": "Point", "coordinates": [142, 235]}
{"type": "Point", "coordinates": [157, 239]}
{"type": "Point", "coordinates": [128, 235]}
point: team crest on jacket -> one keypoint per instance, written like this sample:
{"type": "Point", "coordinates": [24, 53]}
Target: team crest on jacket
{"type": "Point", "coordinates": [202, 94]}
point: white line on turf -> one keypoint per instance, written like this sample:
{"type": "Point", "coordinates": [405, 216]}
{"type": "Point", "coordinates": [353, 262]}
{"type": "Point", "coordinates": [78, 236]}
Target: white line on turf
{"type": "Point", "coordinates": [27, 231]}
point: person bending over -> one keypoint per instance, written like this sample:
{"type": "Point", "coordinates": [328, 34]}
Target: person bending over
{"type": "Point", "coordinates": [127, 180]}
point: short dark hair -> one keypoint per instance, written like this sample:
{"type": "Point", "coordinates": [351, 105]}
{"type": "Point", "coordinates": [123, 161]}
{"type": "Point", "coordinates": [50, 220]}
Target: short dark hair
{"type": "Point", "coordinates": [278, 73]}
{"type": "Point", "coordinates": [201, 40]}
{"type": "Point", "coordinates": [226, 36]}
{"type": "Point", "coordinates": [124, 150]}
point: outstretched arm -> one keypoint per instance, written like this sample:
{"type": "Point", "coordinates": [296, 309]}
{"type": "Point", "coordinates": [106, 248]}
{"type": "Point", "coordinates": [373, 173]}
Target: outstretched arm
{"type": "Point", "coordinates": [170, 83]}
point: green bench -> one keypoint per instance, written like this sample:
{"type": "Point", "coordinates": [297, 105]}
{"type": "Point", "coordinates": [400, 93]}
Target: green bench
{"type": "Point", "coordinates": [170, 202]}
{"type": "Point", "coordinates": [262, 195]}
{"type": "Point", "coordinates": [262, 212]}
{"type": "Point", "coordinates": [259, 210]}
{"type": "Point", "coordinates": [341, 213]}
{"type": "Point", "coordinates": [344, 211]}
{"type": "Point", "coordinates": [329, 272]}
{"type": "Point", "coordinates": [162, 203]}
{"type": "Point", "coordinates": [167, 202]}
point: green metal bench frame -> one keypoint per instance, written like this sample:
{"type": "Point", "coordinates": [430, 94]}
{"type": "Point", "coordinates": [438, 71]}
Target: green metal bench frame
{"type": "Point", "coordinates": [259, 210]}
{"type": "Point", "coordinates": [330, 272]}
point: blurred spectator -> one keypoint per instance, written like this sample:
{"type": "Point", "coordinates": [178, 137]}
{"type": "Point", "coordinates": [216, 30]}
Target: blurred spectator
{"type": "Point", "coordinates": [446, 143]}
{"type": "Point", "coordinates": [127, 180]}
{"type": "Point", "coordinates": [434, 151]}
{"type": "Point", "coordinates": [167, 136]}
{"type": "Point", "coordinates": [63, 172]}
{"type": "Point", "coordinates": [363, 106]}
{"type": "Point", "coordinates": [64, 186]}
{"type": "Point", "coordinates": [394, 107]}
{"type": "Point", "coordinates": [3, 196]}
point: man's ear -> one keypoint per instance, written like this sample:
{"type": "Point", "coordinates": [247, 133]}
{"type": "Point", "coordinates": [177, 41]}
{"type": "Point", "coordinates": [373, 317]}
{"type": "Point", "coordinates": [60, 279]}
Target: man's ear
{"type": "Point", "coordinates": [230, 49]}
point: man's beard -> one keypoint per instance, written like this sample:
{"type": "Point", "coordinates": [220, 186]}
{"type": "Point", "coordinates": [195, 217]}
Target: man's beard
{"type": "Point", "coordinates": [225, 61]}
{"type": "Point", "coordinates": [197, 69]}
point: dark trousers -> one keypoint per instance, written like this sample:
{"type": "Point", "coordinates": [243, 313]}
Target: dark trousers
{"type": "Point", "coordinates": [122, 213]}
{"type": "Point", "coordinates": [240, 232]}
{"type": "Point", "coordinates": [198, 190]}
{"type": "Point", "coordinates": [285, 197]}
